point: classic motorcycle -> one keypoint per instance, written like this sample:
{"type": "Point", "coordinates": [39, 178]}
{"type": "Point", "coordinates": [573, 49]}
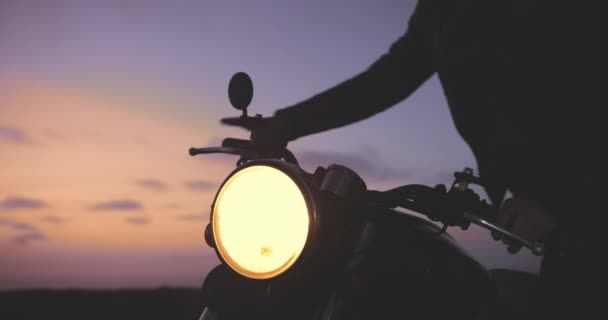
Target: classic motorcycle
{"type": "Point", "coordinates": [301, 245]}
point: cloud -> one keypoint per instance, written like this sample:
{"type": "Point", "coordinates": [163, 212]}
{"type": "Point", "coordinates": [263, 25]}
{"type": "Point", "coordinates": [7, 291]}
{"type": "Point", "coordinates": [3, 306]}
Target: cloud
{"type": "Point", "coordinates": [201, 185]}
{"type": "Point", "coordinates": [13, 135]}
{"type": "Point", "coordinates": [16, 225]}
{"type": "Point", "coordinates": [27, 232]}
{"type": "Point", "coordinates": [53, 219]}
{"type": "Point", "coordinates": [23, 226]}
{"type": "Point", "coordinates": [193, 217]}
{"type": "Point", "coordinates": [24, 239]}
{"type": "Point", "coordinates": [153, 184]}
{"type": "Point", "coordinates": [137, 220]}
{"type": "Point", "coordinates": [21, 203]}
{"type": "Point", "coordinates": [364, 165]}
{"type": "Point", "coordinates": [117, 205]}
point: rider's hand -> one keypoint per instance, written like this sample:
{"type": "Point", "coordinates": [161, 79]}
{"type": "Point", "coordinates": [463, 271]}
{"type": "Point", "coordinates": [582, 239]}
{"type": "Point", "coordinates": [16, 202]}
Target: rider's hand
{"type": "Point", "coordinates": [267, 132]}
{"type": "Point", "coordinates": [524, 218]}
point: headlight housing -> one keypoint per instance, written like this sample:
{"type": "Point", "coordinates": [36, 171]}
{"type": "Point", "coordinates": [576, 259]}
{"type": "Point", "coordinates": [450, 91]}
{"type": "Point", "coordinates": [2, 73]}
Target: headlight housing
{"type": "Point", "coordinates": [262, 218]}
{"type": "Point", "coordinates": [270, 219]}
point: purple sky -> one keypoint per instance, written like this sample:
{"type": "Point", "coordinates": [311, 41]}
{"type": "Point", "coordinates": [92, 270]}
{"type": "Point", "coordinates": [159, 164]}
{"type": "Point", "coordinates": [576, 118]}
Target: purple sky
{"type": "Point", "coordinates": [110, 94]}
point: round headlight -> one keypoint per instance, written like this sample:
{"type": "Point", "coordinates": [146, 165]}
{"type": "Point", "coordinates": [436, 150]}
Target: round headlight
{"type": "Point", "coordinates": [260, 222]}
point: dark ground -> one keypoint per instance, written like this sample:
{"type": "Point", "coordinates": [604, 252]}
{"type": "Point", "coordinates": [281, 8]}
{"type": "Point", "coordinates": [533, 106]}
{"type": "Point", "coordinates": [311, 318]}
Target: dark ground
{"type": "Point", "coordinates": [516, 289]}
{"type": "Point", "coordinates": [150, 304]}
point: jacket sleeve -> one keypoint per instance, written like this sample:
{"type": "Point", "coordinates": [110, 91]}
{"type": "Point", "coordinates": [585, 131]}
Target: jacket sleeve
{"type": "Point", "coordinates": [389, 80]}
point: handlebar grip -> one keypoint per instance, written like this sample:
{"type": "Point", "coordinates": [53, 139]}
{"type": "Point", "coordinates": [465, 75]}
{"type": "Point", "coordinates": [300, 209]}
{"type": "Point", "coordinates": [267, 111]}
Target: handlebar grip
{"type": "Point", "coordinates": [236, 143]}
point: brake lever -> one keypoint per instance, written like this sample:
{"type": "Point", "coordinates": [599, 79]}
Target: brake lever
{"type": "Point", "coordinates": [461, 183]}
{"type": "Point", "coordinates": [226, 150]}
{"type": "Point", "coordinates": [537, 248]}
{"type": "Point", "coordinates": [246, 150]}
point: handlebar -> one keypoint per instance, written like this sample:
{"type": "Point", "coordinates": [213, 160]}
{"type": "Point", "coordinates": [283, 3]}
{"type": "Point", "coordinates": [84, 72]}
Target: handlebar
{"type": "Point", "coordinates": [209, 150]}
{"type": "Point", "coordinates": [452, 208]}
{"type": "Point", "coordinates": [247, 150]}
{"type": "Point", "coordinates": [536, 247]}
{"type": "Point", "coordinates": [237, 143]}
{"type": "Point", "coordinates": [459, 206]}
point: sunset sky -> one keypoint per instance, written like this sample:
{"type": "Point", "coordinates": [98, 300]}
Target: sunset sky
{"type": "Point", "coordinates": [100, 101]}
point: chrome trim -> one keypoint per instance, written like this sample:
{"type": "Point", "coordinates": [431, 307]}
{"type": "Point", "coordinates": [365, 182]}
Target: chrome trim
{"type": "Point", "coordinates": [536, 248]}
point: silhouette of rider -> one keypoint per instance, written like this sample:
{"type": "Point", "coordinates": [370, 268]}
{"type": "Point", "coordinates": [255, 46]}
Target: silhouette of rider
{"type": "Point", "coordinates": [518, 79]}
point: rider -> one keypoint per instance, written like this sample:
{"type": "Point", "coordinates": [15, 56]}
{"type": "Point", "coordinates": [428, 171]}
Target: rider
{"type": "Point", "coordinates": [516, 75]}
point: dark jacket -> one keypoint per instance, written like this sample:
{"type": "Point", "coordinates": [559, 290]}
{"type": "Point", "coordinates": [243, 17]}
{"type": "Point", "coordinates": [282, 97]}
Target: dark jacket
{"type": "Point", "coordinates": [516, 75]}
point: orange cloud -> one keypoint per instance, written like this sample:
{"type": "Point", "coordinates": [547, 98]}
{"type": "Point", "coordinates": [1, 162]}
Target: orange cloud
{"type": "Point", "coordinates": [105, 145]}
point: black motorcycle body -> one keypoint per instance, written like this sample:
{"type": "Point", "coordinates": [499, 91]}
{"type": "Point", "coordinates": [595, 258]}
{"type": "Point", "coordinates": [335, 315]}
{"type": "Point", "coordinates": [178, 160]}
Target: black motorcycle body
{"type": "Point", "coordinates": [371, 260]}
{"type": "Point", "coordinates": [405, 267]}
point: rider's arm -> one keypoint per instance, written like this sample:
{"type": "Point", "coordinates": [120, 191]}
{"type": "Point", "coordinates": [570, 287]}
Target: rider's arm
{"type": "Point", "coordinates": [392, 78]}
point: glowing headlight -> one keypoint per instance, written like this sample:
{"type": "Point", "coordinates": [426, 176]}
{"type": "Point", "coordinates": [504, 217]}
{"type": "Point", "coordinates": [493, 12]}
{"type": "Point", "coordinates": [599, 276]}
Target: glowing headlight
{"type": "Point", "coordinates": [260, 222]}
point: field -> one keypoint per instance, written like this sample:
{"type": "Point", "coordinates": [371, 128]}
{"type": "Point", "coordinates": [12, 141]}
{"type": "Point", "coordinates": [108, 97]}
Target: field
{"type": "Point", "coordinates": [151, 304]}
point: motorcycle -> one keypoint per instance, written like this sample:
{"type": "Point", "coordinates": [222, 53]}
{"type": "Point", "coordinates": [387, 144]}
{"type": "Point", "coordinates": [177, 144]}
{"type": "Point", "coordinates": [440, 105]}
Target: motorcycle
{"type": "Point", "coordinates": [301, 245]}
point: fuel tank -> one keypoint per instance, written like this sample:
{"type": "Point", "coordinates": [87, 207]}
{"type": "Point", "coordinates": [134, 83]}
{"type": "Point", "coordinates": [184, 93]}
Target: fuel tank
{"type": "Point", "coordinates": [408, 268]}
